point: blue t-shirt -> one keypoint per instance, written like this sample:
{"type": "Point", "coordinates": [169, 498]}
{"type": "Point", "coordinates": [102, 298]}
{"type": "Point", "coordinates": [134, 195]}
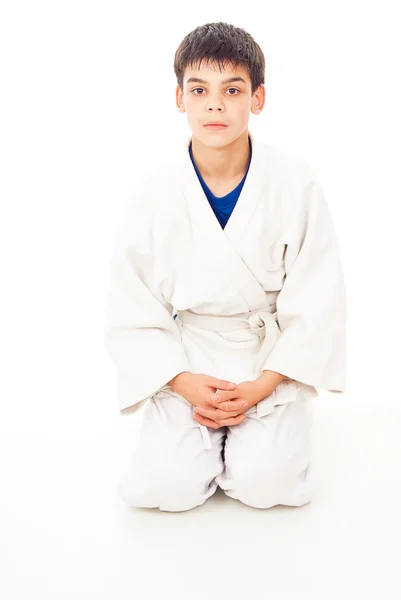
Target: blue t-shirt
{"type": "Point", "coordinates": [222, 207]}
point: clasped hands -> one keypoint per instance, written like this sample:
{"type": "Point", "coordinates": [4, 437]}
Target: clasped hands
{"type": "Point", "coordinates": [227, 407]}
{"type": "Point", "coordinates": [217, 402]}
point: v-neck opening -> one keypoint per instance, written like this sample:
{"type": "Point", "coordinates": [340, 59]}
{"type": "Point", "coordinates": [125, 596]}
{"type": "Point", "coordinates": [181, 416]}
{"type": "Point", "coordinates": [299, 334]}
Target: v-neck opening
{"type": "Point", "coordinates": [203, 182]}
{"type": "Point", "coordinates": [246, 204]}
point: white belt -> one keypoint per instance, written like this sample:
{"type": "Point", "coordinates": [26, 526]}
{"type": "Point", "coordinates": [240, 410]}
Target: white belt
{"type": "Point", "coordinates": [262, 322]}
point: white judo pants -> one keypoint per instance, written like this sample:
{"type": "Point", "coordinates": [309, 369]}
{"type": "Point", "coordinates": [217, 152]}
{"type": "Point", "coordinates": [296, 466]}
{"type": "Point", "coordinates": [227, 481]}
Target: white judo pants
{"type": "Point", "coordinates": [263, 462]}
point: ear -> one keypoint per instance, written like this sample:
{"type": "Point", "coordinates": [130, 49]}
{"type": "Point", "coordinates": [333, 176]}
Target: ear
{"type": "Point", "coordinates": [258, 100]}
{"type": "Point", "coordinates": [179, 99]}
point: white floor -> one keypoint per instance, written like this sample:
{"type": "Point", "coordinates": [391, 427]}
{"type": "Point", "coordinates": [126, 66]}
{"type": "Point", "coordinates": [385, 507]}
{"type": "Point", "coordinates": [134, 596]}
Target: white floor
{"type": "Point", "coordinates": [66, 534]}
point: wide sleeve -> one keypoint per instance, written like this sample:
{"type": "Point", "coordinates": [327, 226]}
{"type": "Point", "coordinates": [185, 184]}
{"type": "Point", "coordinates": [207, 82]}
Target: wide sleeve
{"type": "Point", "coordinates": [140, 335]}
{"type": "Point", "coordinates": [311, 306]}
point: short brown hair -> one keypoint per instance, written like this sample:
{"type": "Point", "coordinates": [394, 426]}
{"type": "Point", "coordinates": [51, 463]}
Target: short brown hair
{"type": "Point", "coordinates": [220, 42]}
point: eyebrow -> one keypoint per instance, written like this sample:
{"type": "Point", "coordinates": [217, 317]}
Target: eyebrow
{"type": "Point", "coordinates": [230, 80]}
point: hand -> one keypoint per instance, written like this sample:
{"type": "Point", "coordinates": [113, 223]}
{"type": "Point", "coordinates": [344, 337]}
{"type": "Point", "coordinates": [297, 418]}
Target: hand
{"type": "Point", "coordinates": [197, 389]}
{"type": "Point", "coordinates": [225, 408]}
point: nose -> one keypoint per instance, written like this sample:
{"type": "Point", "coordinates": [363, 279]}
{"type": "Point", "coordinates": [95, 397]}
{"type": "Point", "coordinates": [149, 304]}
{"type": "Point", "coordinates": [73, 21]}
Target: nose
{"type": "Point", "coordinates": [215, 104]}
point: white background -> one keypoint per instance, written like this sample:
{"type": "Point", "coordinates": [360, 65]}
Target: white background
{"type": "Point", "coordinates": [87, 99]}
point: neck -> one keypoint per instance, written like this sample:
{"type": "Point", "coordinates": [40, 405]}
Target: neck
{"type": "Point", "coordinates": [227, 162]}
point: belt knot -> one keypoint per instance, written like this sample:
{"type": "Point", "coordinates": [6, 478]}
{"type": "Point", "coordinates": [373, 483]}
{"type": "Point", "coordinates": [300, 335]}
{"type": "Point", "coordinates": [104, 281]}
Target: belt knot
{"type": "Point", "coordinates": [257, 325]}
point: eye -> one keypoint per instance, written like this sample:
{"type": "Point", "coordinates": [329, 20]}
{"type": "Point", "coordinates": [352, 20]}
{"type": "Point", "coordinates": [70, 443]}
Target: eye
{"type": "Point", "coordinates": [229, 89]}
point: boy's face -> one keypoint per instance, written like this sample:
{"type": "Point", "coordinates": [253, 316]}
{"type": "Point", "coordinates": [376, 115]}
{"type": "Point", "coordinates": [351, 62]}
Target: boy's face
{"type": "Point", "coordinates": [213, 99]}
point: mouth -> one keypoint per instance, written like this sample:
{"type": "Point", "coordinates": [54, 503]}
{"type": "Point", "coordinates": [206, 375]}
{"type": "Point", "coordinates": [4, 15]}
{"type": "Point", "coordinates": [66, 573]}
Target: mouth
{"type": "Point", "coordinates": [215, 126]}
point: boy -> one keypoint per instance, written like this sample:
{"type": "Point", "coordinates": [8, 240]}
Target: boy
{"type": "Point", "coordinates": [227, 303]}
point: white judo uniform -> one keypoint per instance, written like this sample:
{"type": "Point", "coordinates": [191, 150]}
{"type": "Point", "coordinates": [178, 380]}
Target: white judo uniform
{"type": "Point", "coordinates": [265, 293]}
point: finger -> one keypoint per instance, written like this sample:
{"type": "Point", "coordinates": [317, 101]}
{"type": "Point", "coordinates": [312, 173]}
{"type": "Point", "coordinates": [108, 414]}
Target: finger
{"type": "Point", "coordinates": [238, 404]}
{"type": "Point", "coordinates": [216, 413]}
{"type": "Point", "coordinates": [224, 396]}
{"type": "Point", "coordinates": [220, 423]}
{"type": "Point", "coordinates": [221, 396]}
{"type": "Point", "coordinates": [208, 422]}
{"type": "Point", "coordinates": [210, 413]}
{"type": "Point", "coordinates": [234, 405]}
{"type": "Point", "coordinates": [222, 384]}
{"type": "Point", "coordinates": [232, 421]}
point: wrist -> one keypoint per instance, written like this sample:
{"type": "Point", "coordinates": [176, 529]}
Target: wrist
{"type": "Point", "coordinates": [177, 381]}
{"type": "Point", "coordinates": [267, 382]}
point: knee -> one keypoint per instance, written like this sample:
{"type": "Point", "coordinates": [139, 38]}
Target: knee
{"type": "Point", "coordinates": [267, 483]}
{"type": "Point", "coordinates": [168, 489]}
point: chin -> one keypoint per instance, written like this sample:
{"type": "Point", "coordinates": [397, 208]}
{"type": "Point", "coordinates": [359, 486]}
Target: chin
{"type": "Point", "coordinates": [215, 139]}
